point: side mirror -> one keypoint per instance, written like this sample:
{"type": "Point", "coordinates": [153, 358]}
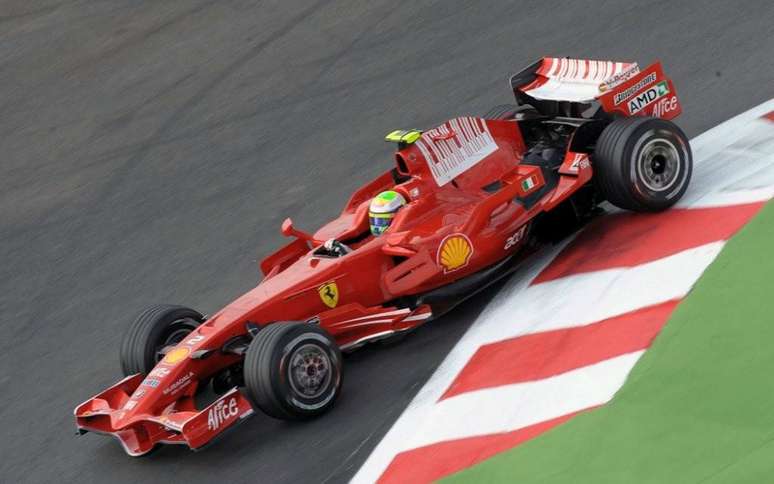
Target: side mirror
{"type": "Point", "coordinates": [393, 245]}
{"type": "Point", "coordinates": [287, 227]}
{"type": "Point", "coordinates": [289, 231]}
{"type": "Point", "coordinates": [396, 250]}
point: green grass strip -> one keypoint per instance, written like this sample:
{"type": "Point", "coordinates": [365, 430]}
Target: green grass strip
{"type": "Point", "coordinates": [698, 406]}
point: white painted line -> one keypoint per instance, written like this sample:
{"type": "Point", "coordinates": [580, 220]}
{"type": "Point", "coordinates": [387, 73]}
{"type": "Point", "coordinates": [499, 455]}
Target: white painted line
{"type": "Point", "coordinates": [740, 172]}
{"type": "Point", "coordinates": [729, 132]}
{"type": "Point", "coordinates": [481, 412]}
{"type": "Point", "coordinates": [581, 299]}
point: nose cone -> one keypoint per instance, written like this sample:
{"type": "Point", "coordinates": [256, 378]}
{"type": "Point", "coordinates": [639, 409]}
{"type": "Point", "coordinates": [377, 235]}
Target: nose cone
{"type": "Point", "coordinates": [164, 385]}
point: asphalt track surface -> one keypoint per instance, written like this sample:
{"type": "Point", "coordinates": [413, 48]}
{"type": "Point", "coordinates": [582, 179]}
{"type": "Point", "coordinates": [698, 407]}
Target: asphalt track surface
{"type": "Point", "coordinates": [150, 150]}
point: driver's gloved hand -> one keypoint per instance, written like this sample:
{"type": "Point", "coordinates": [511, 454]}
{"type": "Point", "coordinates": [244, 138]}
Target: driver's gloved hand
{"type": "Point", "coordinates": [336, 248]}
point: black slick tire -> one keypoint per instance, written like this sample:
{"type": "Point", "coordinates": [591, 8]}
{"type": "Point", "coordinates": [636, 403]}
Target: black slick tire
{"type": "Point", "coordinates": [642, 164]}
{"type": "Point", "coordinates": [153, 329]}
{"type": "Point", "coordinates": [293, 371]}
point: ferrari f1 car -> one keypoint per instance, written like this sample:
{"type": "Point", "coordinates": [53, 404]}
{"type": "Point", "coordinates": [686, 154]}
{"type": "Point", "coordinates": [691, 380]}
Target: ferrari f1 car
{"type": "Point", "coordinates": [478, 190]}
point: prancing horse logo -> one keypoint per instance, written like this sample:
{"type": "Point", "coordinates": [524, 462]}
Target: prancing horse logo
{"type": "Point", "coordinates": [329, 293]}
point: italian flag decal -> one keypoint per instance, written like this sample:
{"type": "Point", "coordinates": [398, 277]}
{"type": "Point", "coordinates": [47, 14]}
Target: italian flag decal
{"type": "Point", "coordinates": [528, 184]}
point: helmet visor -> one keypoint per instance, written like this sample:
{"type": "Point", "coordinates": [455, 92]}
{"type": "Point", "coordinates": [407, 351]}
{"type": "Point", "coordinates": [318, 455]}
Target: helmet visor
{"type": "Point", "coordinates": [380, 222]}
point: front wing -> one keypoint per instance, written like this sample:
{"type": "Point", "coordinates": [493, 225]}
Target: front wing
{"type": "Point", "coordinates": [139, 434]}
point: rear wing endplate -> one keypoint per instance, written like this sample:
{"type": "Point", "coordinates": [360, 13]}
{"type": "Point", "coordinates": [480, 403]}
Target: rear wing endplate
{"type": "Point", "coordinates": [619, 87]}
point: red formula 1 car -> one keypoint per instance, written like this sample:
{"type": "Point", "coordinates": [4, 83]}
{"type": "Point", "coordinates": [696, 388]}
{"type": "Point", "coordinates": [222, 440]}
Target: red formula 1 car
{"type": "Point", "coordinates": [479, 191]}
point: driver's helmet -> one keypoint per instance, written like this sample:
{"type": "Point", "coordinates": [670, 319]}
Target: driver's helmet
{"type": "Point", "coordinates": [383, 209]}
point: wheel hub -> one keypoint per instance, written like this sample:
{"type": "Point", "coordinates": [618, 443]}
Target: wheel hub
{"type": "Point", "coordinates": [310, 371]}
{"type": "Point", "coordinates": [658, 165]}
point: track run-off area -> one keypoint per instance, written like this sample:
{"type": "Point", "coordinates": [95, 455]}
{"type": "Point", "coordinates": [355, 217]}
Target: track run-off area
{"type": "Point", "coordinates": [563, 334]}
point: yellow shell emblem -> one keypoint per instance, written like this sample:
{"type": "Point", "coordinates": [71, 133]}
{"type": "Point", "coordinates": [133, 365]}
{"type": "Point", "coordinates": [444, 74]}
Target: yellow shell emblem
{"type": "Point", "coordinates": [329, 294]}
{"type": "Point", "coordinates": [176, 356]}
{"type": "Point", "coordinates": [454, 252]}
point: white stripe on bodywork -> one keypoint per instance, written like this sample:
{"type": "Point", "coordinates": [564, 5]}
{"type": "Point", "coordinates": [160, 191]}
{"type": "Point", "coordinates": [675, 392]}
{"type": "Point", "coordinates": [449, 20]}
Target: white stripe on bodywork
{"type": "Point", "coordinates": [376, 315]}
{"type": "Point", "coordinates": [594, 66]}
{"type": "Point", "coordinates": [584, 71]}
{"type": "Point", "coordinates": [417, 317]}
{"type": "Point", "coordinates": [554, 67]}
{"type": "Point", "coordinates": [449, 158]}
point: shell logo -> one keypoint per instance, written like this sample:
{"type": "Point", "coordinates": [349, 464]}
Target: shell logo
{"type": "Point", "coordinates": [454, 252]}
{"type": "Point", "coordinates": [176, 356]}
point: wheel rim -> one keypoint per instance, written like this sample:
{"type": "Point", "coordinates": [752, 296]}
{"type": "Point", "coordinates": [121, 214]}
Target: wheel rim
{"type": "Point", "coordinates": [658, 165]}
{"type": "Point", "coordinates": [177, 333]}
{"type": "Point", "coordinates": [310, 371]}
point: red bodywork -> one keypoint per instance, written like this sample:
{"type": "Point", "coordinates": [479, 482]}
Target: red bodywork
{"type": "Point", "coordinates": [452, 227]}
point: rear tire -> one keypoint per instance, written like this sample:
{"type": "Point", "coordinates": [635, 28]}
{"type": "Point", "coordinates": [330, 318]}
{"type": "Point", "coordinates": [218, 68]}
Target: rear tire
{"type": "Point", "coordinates": [642, 164]}
{"type": "Point", "coordinates": [293, 371]}
{"type": "Point", "coordinates": [155, 328]}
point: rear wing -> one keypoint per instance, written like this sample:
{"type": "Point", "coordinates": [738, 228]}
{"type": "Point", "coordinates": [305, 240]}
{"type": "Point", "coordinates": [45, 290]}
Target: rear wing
{"type": "Point", "coordinates": [618, 87]}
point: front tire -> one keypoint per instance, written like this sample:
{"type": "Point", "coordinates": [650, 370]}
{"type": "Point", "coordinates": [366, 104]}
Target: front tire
{"type": "Point", "coordinates": [154, 329]}
{"type": "Point", "coordinates": [293, 371]}
{"type": "Point", "coordinates": [642, 164]}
